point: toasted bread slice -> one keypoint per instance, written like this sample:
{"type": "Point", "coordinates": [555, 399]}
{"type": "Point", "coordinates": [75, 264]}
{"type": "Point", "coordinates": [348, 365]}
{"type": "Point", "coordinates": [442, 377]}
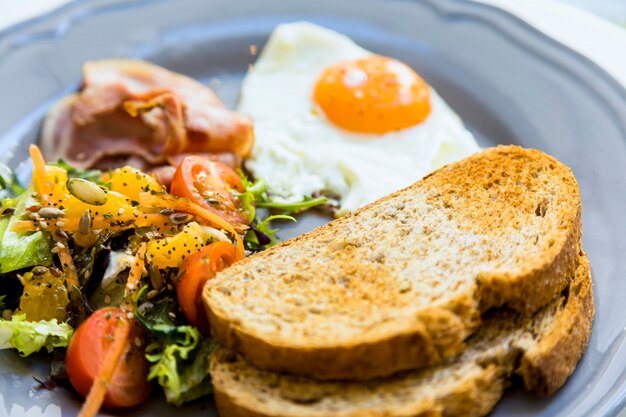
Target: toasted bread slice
{"type": "Point", "coordinates": [402, 282]}
{"type": "Point", "coordinates": [546, 345]}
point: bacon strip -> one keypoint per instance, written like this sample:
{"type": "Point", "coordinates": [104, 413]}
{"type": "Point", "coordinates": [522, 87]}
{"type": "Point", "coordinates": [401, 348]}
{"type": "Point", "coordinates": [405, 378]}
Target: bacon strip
{"type": "Point", "coordinates": [134, 112]}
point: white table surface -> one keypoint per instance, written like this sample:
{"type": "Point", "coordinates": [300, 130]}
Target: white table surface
{"type": "Point", "coordinates": [602, 39]}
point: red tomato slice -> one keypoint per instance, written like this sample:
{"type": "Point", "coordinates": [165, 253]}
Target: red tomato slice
{"type": "Point", "coordinates": [208, 184]}
{"type": "Point", "coordinates": [129, 385]}
{"type": "Point", "coordinates": [196, 270]}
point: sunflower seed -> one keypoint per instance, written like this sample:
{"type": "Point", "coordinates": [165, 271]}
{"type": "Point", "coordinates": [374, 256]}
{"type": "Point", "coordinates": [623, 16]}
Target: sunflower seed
{"type": "Point", "coordinates": [50, 213]}
{"type": "Point", "coordinates": [84, 225]}
{"type": "Point", "coordinates": [56, 272]}
{"type": "Point", "coordinates": [180, 218]}
{"type": "Point", "coordinates": [156, 279]}
{"type": "Point", "coordinates": [61, 234]}
{"type": "Point", "coordinates": [39, 270]}
{"type": "Point", "coordinates": [166, 211]}
{"type": "Point", "coordinates": [151, 294]}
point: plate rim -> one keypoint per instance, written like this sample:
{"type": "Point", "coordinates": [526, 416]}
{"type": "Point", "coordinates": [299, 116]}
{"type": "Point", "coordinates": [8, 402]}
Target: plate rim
{"type": "Point", "coordinates": [54, 23]}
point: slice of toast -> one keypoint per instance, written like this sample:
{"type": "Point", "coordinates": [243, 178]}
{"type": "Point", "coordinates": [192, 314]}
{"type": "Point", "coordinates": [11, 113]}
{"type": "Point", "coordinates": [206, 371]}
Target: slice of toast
{"type": "Point", "coordinates": [543, 349]}
{"type": "Point", "coordinates": [402, 283]}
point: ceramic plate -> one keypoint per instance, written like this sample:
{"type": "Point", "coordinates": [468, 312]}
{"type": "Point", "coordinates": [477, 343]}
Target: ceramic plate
{"type": "Point", "coordinates": [509, 82]}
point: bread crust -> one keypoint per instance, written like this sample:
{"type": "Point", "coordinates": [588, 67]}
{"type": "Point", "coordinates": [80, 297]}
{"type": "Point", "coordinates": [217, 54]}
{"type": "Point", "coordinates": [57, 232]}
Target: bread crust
{"type": "Point", "coordinates": [547, 345]}
{"type": "Point", "coordinates": [436, 331]}
{"type": "Point", "coordinates": [546, 368]}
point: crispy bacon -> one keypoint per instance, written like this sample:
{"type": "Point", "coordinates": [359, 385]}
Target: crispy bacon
{"type": "Point", "coordinates": [133, 112]}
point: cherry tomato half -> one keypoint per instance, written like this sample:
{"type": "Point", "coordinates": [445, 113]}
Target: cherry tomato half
{"type": "Point", "coordinates": [208, 184]}
{"type": "Point", "coordinates": [194, 273]}
{"type": "Point", "coordinates": [86, 351]}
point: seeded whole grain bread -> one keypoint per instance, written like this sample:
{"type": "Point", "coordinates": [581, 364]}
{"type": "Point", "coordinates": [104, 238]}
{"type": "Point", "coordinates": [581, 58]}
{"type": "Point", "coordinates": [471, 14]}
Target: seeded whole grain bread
{"type": "Point", "coordinates": [402, 282]}
{"type": "Point", "coordinates": [543, 349]}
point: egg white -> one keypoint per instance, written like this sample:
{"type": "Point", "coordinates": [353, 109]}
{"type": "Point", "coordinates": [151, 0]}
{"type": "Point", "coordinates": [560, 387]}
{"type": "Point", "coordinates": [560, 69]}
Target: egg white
{"type": "Point", "coordinates": [300, 153]}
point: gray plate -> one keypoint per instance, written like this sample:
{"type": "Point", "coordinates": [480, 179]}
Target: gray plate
{"type": "Point", "coordinates": [510, 83]}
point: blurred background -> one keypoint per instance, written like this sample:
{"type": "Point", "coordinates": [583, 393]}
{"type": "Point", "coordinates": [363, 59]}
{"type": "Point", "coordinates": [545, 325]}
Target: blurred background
{"type": "Point", "coordinates": [16, 10]}
{"type": "Point", "coordinates": [614, 10]}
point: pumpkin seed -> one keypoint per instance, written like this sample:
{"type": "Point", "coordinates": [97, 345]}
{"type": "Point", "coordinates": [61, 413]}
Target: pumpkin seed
{"type": "Point", "coordinates": [87, 191]}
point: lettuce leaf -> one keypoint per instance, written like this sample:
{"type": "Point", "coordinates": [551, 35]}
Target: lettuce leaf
{"type": "Point", "coordinates": [93, 175]}
{"type": "Point", "coordinates": [256, 196]}
{"type": "Point", "coordinates": [179, 356]}
{"type": "Point", "coordinates": [21, 250]}
{"type": "Point", "coordinates": [9, 184]}
{"type": "Point", "coordinates": [261, 236]}
{"type": "Point", "coordinates": [180, 366]}
{"type": "Point", "coordinates": [31, 336]}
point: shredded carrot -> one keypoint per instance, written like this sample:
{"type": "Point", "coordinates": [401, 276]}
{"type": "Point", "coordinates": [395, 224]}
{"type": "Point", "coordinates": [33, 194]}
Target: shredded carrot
{"type": "Point", "coordinates": [42, 182]}
{"type": "Point", "coordinates": [185, 205]}
{"type": "Point", "coordinates": [68, 265]}
{"type": "Point", "coordinates": [23, 226]}
{"type": "Point", "coordinates": [135, 274]}
{"type": "Point", "coordinates": [98, 390]}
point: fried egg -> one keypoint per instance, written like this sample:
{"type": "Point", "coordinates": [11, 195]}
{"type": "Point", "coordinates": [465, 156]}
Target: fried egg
{"type": "Point", "coordinates": [334, 119]}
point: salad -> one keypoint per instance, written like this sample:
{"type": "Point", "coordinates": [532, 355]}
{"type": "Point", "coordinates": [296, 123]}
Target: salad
{"type": "Point", "coordinates": [104, 270]}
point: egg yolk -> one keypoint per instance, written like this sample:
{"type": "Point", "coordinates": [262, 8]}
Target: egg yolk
{"type": "Point", "coordinates": [372, 95]}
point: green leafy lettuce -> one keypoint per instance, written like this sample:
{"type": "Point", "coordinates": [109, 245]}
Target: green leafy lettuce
{"type": "Point", "coordinates": [181, 365]}
{"type": "Point", "coordinates": [9, 184]}
{"type": "Point", "coordinates": [22, 250]}
{"type": "Point", "coordinates": [179, 355]}
{"type": "Point", "coordinates": [93, 175]}
{"type": "Point", "coordinates": [31, 336]}
{"type": "Point", "coordinates": [256, 196]}
{"type": "Point", "coordinates": [261, 236]}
